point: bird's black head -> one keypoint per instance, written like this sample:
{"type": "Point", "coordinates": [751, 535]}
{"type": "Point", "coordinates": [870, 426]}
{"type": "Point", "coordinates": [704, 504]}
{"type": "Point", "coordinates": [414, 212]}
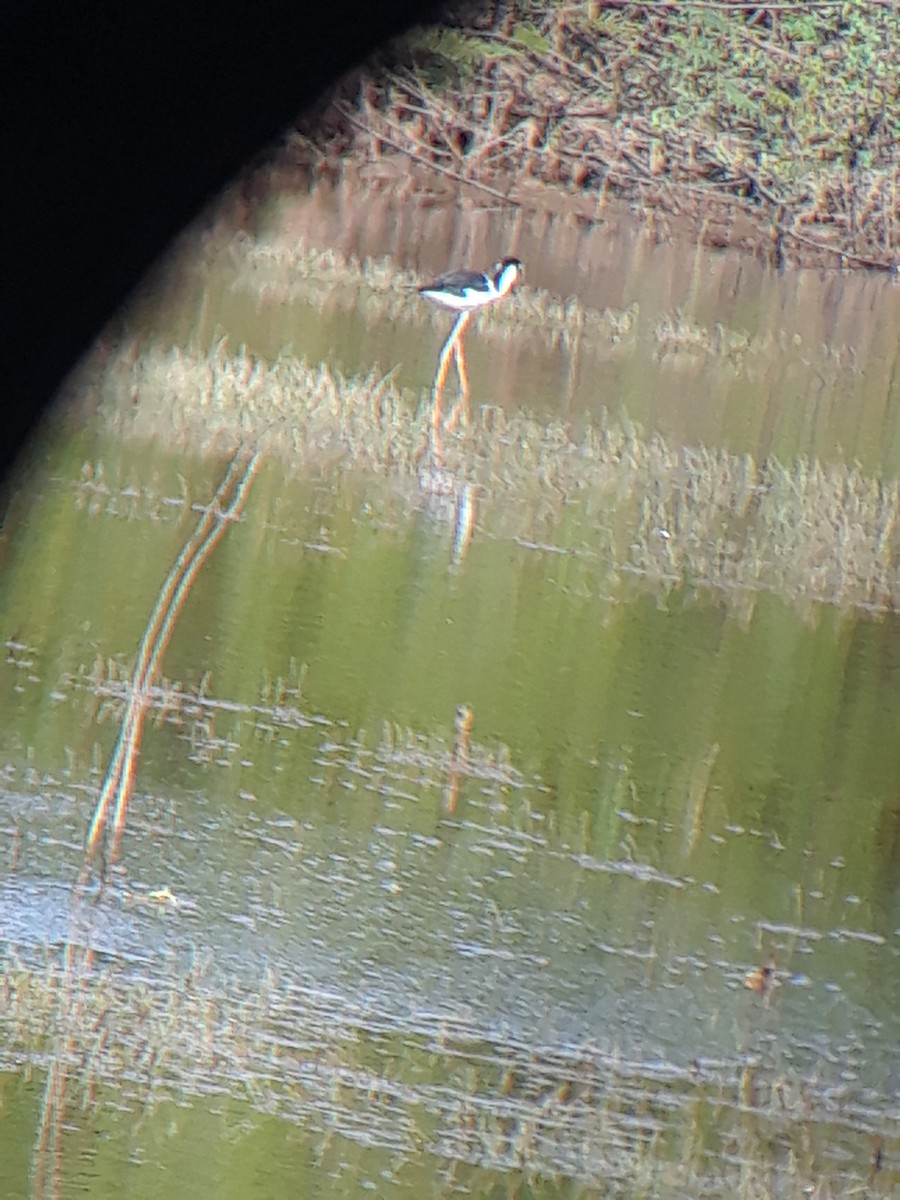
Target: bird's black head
{"type": "Point", "coordinates": [506, 274]}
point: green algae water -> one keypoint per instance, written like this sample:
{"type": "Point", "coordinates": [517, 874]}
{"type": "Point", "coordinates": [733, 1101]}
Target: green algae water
{"type": "Point", "coordinates": [640, 934]}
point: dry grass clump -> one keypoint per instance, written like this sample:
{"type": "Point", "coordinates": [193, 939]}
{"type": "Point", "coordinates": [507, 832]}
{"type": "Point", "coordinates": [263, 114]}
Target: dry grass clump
{"type": "Point", "coordinates": [771, 127]}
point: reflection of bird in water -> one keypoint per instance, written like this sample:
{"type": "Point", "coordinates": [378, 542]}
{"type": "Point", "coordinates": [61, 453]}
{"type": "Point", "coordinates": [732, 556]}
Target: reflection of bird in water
{"type": "Point", "coordinates": [463, 292]}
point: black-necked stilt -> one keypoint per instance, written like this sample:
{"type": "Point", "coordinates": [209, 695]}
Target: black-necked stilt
{"type": "Point", "coordinates": [463, 291]}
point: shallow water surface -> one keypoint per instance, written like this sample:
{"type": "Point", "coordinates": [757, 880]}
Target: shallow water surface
{"type": "Point", "coordinates": [523, 822]}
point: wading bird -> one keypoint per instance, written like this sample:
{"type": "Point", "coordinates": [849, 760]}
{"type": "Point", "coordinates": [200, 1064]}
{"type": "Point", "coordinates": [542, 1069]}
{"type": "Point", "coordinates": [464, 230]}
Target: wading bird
{"type": "Point", "coordinates": [463, 292]}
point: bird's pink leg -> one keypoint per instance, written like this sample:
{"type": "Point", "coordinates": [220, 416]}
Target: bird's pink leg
{"type": "Point", "coordinates": [460, 409]}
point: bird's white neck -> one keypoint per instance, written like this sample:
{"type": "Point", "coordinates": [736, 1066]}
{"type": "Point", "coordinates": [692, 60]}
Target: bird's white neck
{"type": "Point", "coordinates": [505, 278]}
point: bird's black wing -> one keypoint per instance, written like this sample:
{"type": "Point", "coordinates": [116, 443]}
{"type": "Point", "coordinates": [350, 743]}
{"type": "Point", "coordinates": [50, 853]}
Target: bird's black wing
{"type": "Point", "coordinates": [454, 282]}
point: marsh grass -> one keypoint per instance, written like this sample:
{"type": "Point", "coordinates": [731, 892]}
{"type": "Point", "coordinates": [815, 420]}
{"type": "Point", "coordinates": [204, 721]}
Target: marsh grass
{"type": "Point", "coordinates": [381, 293]}
{"type": "Point", "coordinates": [374, 289]}
{"type": "Point", "coordinates": [399, 756]}
{"type": "Point", "coordinates": [432, 1083]}
{"type": "Point", "coordinates": [632, 505]}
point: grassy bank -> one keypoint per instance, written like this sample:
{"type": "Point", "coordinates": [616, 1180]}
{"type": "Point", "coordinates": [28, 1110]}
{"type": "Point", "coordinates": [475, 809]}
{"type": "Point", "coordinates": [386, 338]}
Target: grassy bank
{"type": "Point", "coordinates": [772, 127]}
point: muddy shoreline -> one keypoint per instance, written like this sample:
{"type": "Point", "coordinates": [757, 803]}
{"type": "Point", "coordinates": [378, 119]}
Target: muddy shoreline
{"type": "Point", "coordinates": [669, 213]}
